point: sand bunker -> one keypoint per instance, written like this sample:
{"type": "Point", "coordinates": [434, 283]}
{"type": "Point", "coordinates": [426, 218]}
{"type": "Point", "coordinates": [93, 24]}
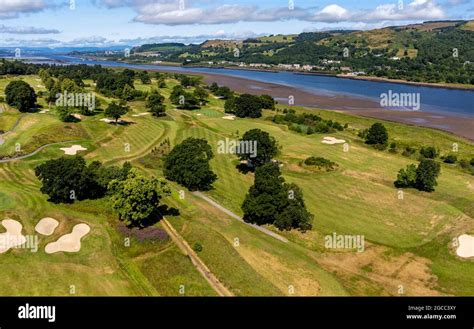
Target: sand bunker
{"type": "Point", "coordinates": [466, 246]}
{"type": "Point", "coordinates": [73, 149]}
{"type": "Point", "coordinates": [140, 114]}
{"type": "Point", "coordinates": [77, 116]}
{"type": "Point", "coordinates": [44, 111]}
{"type": "Point", "coordinates": [332, 140]}
{"type": "Point", "coordinates": [110, 120]}
{"type": "Point", "coordinates": [46, 226]}
{"type": "Point", "coordinates": [12, 237]}
{"type": "Point", "coordinates": [229, 117]}
{"type": "Point", "coordinates": [70, 242]}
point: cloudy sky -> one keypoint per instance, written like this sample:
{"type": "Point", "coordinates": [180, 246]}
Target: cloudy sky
{"type": "Point", "coordinates": [130, 22]}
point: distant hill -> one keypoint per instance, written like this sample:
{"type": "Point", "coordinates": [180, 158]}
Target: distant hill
{"type": "Point", "coordinates": [434, 51]}
{"type": "Point", "coordinates": [170, 46]}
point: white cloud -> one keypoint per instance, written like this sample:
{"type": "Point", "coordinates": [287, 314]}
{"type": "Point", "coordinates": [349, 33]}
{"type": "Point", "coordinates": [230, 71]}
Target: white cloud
{"type": "Point", "coordinates": [171, 14]}
{"type": "Point", "coordinates": [168, 12]}
{"type": "Point", "coordinates": [416, 10]}
{"type": "Point", "coordinates": [26, 30]}
{"type": "Point", "coordinates": [12, 8]}
{"type": "Point", "coordinates": [13, 42]}
{"type": "Point", "coordinates": [332, 13]}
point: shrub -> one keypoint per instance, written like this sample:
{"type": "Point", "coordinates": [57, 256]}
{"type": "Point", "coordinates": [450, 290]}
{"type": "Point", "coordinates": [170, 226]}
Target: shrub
{"type": "Point", "coordinates": [422, 177]}
{"type": "Point", "coordinates": [197, 247]}
{"type": "Point", "coordinates": [320, 163]}
{"type": "Point", "coordinates": [363, 133]}
{"type": "Point", "coordinates": [426, 174]}
{"type": "Point", "coordinates": [409, 151]}
{"type": "Point", "coordinates": [429, 152]}
{"type": "Point", "coordinates": [451, 158]}
{"type": "Point", "coordinates": [393, 148]}
{"type": "Point", "coordinates": [406, 177]}
{"type": "Point", "coordinates": [377, 135]}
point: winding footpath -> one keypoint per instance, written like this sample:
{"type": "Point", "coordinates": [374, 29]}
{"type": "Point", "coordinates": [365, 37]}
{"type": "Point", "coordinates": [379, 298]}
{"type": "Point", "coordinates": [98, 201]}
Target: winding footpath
{"type": "Point", "coordinates": [39, 149]}
{"type": "Point", "coordinates": [235, 216]}
{"type": "Point", "coordinates": [197, 262]}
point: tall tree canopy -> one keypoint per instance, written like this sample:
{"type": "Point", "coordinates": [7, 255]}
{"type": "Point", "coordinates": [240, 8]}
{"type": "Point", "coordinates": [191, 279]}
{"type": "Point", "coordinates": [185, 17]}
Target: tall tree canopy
{"type": "Point", "coordinates": [137, 197]}
{"type": "Point", "coordinates": [266, 147]}
{"type": "Point", "coordinates": [426, 175]}
{"type": "Point", "coordinates": [20, 95]}
{"type": "Point", "coordinates": [377, 135]}
{"type": "Point", "coordinates": [188, 164]}
{"type": "Point", "coordinates": [116, 111]}
{"type": "Point", "coordinates": [154, 104]}
{"type": "Point", "coordinates": [271, 201]}
{"type": "Point", "coordinates": [67, 179]}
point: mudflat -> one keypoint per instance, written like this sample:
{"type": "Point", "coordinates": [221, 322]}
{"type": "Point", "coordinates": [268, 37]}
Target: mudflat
{"type": "Point", "coordinates": [459, 125]}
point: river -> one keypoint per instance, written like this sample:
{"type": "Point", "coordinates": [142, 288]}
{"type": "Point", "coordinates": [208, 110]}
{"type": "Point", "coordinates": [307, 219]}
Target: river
{"type": "Point", "coordinates": [445, 101]}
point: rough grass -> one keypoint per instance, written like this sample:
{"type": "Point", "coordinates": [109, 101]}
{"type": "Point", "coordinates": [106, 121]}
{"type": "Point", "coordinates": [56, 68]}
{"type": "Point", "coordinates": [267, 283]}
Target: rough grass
{"type": "Point", "coordinates": [409, 239]}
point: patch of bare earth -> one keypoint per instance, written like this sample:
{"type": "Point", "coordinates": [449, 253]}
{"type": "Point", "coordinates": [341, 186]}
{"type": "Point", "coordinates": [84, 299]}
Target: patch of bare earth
{"type": "Point", "coordinates": [391, 275]}
{"type": "Point", "coordinates": [288, 279]}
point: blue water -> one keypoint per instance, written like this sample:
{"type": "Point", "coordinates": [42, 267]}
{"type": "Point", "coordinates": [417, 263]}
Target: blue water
{"type": "Point", "coordinates": [439, 100]}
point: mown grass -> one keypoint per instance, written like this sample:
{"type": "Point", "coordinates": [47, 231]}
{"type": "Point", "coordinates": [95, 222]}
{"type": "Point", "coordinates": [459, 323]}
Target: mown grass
{"type": "Point", "coordinates": [357, 199]}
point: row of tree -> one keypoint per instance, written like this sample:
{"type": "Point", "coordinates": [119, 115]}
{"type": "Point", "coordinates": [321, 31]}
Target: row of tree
{"type": "Point", "coordinates": [135, 197]}
{"type": "Point", "coordinates": [422, 177]}
{"type": "Point", "coordinates": [248, 106]}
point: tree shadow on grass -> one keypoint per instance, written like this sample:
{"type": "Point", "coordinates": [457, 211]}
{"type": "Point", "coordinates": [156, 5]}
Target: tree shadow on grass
{"type": "Point", "coordinates": [244, 168]}
{"type": "Point", "coordinates": [157, 215]}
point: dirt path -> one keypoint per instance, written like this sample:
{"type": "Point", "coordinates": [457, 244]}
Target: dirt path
{"type": "Point", "coordinates": [197, 262]}
{"type": "Point", "coordinates": [39, 149]}
{"type": "Point", "coordinates": [233, 215]}
{"type": "Point", "coordinates": [2, 140]}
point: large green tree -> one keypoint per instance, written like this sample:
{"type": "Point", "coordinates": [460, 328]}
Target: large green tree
{"type": "Point", "coordinates": [182, 99]}
{"type": "Point", "coordinates": [271, 201]}
{"type": "Point", "coordinates": [247, 105]}
{"type": "Point", "coordinates": [377, 135]}
{"type": "Point", "coordinates": [188, 164]}
{"type": "Point", "coordinates": [20, 95]}
{"type": "Point", "coordinates": [266, 147]}
{"type": "Point", "coordinates": [267, 102]}
{"type": "Point", "coordinates": [116, 111]}
{"type": "Point", "coordinates": [266, 197]}
{"type": "Point", "coordinates": [154, 104]}
{"type": "Point", "coordinates": [137, 197]}
{"type": "Point", "coordinates": [295, 214]}
{"type": "Point", "coordinates": [201, 95]}
{"type": "Point", "coordinates": [426, 175]}
{"type": "Point", "coordinates": [67, 179]}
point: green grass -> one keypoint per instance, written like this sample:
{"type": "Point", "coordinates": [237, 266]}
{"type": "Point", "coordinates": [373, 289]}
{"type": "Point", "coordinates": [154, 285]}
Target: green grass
{"type": "Point", "coordinates": [357, 198]}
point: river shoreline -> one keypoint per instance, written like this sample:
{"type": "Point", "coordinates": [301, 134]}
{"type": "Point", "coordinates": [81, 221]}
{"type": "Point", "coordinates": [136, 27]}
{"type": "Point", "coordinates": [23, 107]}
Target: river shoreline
{"type": "Point", "coordinates": [405, 82]}
{"type": "Point", "coordinates": [342, 76]}
{"type": "Point", "coordinates": [456, 124]}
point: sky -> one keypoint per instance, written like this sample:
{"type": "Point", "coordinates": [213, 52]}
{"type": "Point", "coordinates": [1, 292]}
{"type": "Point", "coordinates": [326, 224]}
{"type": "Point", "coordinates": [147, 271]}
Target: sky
{"type": "Point", "coordinates": [56, 23]}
